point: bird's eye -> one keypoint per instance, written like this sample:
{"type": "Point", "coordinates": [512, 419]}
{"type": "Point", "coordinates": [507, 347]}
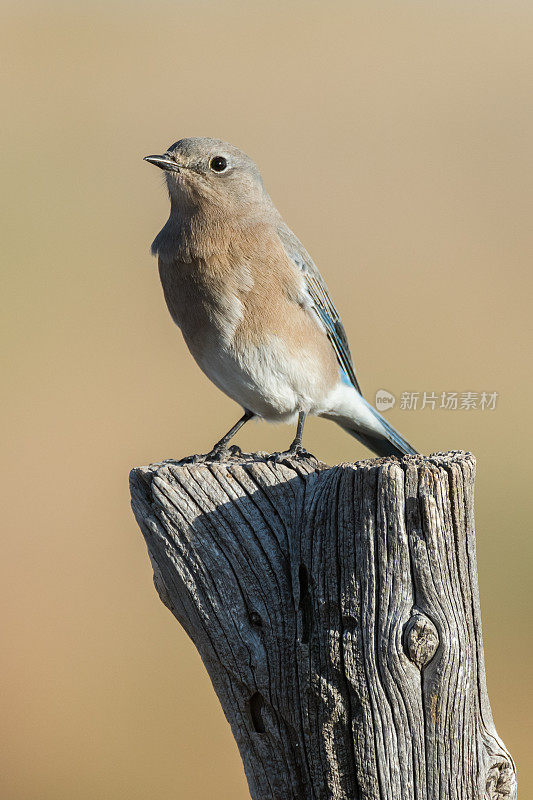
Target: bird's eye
{"type": "Point", "coordinates": [218, 164]}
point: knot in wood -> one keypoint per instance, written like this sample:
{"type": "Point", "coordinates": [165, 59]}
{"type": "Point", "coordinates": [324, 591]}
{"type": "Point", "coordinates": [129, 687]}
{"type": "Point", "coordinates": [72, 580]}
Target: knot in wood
{"type": "Point", "coordinates": [255, 619]}
{"type": "Point", "coordinates": [501, 782]}
{"type": "Point", "coordinates": [421, 639]}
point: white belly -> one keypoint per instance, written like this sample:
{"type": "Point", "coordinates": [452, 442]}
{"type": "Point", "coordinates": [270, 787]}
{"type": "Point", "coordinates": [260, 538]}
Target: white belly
{"type": "Point", "coordinates": [270, 381]}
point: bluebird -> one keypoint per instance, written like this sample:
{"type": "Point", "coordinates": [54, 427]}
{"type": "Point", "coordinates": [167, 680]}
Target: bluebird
{"type": "Point", "coordinates": [252, 306]}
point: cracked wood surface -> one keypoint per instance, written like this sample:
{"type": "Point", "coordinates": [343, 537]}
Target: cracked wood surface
{"type": "Point", "coordinates": [337, 613]}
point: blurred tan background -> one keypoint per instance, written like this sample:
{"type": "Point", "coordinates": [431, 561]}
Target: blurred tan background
{"type": "Point", "coordinates": [396, 138]}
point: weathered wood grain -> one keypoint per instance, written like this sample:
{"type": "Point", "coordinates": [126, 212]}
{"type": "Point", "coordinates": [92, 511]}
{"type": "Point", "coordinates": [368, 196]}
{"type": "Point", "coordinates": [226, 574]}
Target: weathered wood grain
{"type": "Point", "coordinates": [337, 613]}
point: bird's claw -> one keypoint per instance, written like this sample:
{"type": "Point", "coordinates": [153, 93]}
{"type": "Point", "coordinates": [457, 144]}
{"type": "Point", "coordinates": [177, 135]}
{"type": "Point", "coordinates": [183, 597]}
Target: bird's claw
{"type": "Point", "coordinates": [293, 453]}
{"type": "Point", "coordinates": [217, 454]}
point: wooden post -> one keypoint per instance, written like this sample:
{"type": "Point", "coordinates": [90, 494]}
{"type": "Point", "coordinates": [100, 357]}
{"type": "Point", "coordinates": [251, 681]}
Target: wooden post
{"type": "Point", "coordinates": [337, 613]}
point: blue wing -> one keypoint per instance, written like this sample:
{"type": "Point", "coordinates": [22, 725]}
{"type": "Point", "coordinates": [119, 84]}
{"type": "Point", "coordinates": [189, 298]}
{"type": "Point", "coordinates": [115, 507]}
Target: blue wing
{"type": "Point", "coordinates": [321, 303]}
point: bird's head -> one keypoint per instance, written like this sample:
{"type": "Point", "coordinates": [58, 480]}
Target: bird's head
{"type": "Point", "coordinates": [211, 175]}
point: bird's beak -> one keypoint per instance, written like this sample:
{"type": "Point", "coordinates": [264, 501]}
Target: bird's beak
{"type": "Point", "coordinates": [163, 162]}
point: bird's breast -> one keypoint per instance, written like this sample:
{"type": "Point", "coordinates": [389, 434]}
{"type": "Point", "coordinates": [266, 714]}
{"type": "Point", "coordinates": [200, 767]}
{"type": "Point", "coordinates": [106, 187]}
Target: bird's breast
{"type": "Point", "coordinates": [204, 300]}
{"type": "Point", "coordinates": [249, 335]}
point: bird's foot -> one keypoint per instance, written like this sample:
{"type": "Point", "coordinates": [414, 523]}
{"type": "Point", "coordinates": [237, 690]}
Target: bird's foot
{"type": "Point", "coordinates": [293, 453]}
{"type": "Point", "coordinates": [218, 454]}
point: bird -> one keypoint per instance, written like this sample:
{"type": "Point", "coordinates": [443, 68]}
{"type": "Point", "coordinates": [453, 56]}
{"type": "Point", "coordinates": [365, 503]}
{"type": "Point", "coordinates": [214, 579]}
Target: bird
{"type": "Point", "coordinates": [253, 308]}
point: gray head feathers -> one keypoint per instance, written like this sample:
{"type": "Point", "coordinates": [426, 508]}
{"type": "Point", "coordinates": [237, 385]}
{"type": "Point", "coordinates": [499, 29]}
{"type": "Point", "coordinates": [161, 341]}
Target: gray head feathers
{"type": "Point", "coordinates": [211, 184]}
